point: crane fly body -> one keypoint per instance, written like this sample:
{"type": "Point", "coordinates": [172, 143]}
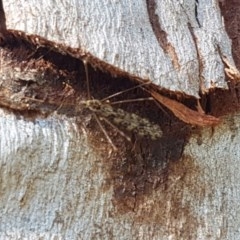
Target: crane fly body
{"type": "Point", "coordinates": [117, 117]}
{"type": "Point", "coordinates": [131, 122]}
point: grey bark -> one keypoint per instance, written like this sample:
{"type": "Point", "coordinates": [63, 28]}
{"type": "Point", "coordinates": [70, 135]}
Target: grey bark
{"type": "Point", "coordinates": [55, 185]}
{"type": "Point", "coordinates": [173, 44]}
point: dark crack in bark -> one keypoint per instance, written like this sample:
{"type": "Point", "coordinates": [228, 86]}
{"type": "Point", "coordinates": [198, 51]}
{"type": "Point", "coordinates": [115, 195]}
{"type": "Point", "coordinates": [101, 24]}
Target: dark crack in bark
{"type": "Point", "coordinates": [160, 34]}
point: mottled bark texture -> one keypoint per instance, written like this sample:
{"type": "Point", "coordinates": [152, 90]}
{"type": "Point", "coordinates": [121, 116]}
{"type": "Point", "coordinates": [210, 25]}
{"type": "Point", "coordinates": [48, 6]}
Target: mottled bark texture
{"type": "Point", "coordinates": [65, 176]}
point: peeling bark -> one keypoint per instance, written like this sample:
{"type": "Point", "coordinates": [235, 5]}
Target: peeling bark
{"type": "Point", "coordinates": [173, 44]}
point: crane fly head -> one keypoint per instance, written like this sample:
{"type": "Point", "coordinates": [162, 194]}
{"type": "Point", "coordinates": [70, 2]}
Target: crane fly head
{"type": "Point", "coordinates": [93, 104]}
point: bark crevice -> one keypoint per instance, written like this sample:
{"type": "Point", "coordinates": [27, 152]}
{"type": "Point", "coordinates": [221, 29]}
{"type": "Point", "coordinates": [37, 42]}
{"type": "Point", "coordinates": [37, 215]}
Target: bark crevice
{"type": "Point", "coordinates": [160, 34]}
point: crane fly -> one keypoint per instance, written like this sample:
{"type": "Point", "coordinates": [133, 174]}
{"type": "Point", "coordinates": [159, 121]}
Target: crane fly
{"type": "Point", "coordinates": [103, 110]}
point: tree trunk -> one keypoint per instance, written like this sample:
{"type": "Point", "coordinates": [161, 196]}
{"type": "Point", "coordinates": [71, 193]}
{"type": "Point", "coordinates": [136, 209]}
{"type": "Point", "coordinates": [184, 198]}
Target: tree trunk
{"type": "Point", "coordinates": [67, 172]}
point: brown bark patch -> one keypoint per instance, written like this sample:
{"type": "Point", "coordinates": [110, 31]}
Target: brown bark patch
{"type": "Point", "coordinates": [231, 11]}
{"type": "Point", "coordinates": [168, 205]}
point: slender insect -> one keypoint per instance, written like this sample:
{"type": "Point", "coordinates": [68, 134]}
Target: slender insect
{"type": "Point", "coordinates": [102, 110]}
{"type": "Point", "coordinates": [131, 122]}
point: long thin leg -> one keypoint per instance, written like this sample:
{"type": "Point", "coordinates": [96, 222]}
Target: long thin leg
{"type": "Point", "coordinates": [157, 103]}
{"type": "Point", "coordinates": [117, 129]}
{"type": "Point", "coordinates": [94, 114]}
{"type": "Point", "coordinates": [87, 79]}
{"type": "Point", "coordinates": [127, 90]}
{"type": "Point", "coordinates": [133, 100]}
{"type": "Point", "coordinates": [104, 132]}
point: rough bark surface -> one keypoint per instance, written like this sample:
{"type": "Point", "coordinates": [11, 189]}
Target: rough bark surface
{"type": "Point", "coordinates": [178, 46]}
{"type": "Point", "coordinates": [55, 186]}
{"type": "Point", "coordinates": [59, 176]}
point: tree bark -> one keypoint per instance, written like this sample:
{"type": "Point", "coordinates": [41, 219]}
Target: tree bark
{"type": "Point", "coordinates": [61, 178]}
{"type": "Point", "coordinates": [174, 45]}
